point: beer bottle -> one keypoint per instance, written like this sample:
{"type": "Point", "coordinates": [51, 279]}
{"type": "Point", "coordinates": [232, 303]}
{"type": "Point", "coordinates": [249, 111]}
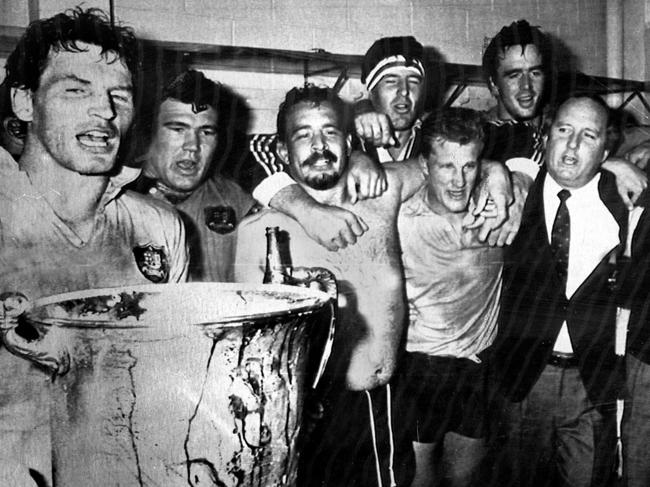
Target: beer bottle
{"type": "Point", "coordinates": [276, 271]}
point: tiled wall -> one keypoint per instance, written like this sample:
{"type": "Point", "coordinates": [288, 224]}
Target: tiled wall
{"type": "Point", "coordinates": [457, 28]}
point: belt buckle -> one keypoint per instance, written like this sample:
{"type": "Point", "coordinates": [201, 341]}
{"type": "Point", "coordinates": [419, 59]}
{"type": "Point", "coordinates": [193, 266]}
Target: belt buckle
{"type": "Point", "coordinates": [564, 360]}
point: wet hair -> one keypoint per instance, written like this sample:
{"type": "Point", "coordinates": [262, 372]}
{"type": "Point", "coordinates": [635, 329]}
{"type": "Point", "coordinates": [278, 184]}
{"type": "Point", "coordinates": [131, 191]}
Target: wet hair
{"type": "Point", "coordinates": [314, 95]}
{"type": "Point", "coordinates": [64, 32]}
{"type": "Point", "coordinates": [193, 88]}
{"type": "Point", "coordinates": [519, 33]}
{"type": "Point", "coordinates": [454, 124]}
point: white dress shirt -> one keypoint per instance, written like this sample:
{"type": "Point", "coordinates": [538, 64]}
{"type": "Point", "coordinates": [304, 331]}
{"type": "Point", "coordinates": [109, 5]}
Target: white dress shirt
{"type": "Point", "coordinates": [594, 233]}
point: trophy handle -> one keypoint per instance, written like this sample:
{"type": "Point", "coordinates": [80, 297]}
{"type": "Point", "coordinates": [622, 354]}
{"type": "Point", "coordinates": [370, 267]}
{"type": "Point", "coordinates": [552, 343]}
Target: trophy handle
{"type": "Point", "coordinates": [41, 349]}
{"type": "Point", "coordinates": [323, 280]}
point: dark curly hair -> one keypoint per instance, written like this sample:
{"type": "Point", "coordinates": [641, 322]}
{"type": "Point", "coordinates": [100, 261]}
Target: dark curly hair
{"type": "Point", "coordinates": [64, 32]}
{"type": "Point", "coordinates": [192, 87]}
{"type": "Point", "coordinates": [519, 33]}
{"type": "Point", "coordinates": [315, 95]}
{"type": "Point", "coordinates": [454, 124]}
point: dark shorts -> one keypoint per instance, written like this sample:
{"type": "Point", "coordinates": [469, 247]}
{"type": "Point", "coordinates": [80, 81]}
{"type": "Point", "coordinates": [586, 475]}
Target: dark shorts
{"type": "Point", "coordinates": [437, 395]}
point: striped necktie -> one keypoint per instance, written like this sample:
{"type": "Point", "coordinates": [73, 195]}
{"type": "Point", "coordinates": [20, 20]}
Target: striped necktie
{"type": "Point", "coordinates": [561, 235]}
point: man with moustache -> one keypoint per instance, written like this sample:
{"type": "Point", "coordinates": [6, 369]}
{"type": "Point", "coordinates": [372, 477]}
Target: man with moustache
{"type": "Point", "coordinates": [177, 169]}
{"type": "Point", "coordinates": [65, 221]}
{"type": "Point", "coordinates": [315, 145]}
{"type": "Point", "coordinates": [453, 286]}
{"type": "Point", "coordinates": [388, 124]}
{"type": "Point", "coordinates": [555, 353]}
{"type": "Point", "coordinates": [393, 73]}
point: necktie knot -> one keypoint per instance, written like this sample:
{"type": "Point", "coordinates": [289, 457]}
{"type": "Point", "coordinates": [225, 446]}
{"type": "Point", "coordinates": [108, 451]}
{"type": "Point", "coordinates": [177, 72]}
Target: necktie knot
{"type": "Point", "coordinates": [564, 195]}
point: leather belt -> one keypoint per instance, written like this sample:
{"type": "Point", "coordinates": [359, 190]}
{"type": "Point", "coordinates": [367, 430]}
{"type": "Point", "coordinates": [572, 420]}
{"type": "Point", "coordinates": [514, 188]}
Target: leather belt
{"type": "Point", "coordinates": [564, 360]}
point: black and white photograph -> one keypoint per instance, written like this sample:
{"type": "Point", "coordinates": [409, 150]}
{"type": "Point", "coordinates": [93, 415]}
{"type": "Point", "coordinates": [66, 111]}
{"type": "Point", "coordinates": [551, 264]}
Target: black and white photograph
{"type": "Point", "coordinates": [324, 243]}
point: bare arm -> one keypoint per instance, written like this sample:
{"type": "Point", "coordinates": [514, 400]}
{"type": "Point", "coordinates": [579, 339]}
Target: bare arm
{"type": "Point", "coordinates": [332, 227]}
{"type": "Point", "coordinates": [630, 180]}
{"type": "Point", "coordinates": [373, 127]}
{"type": "Point", "coordinates": [365, 178]}
{"type": "Point", "coordinates": [493, 232]}
{"type": "Point", "coordinates": [380, 302]}
{"type": "Point", "coordinates": [408, 176]}
{"type": "Point", "coordinates": [495, 185]}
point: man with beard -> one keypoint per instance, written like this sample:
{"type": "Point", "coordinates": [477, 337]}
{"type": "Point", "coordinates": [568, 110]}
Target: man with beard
{"type": "Point", "coordinates": [177, 169]}
{"type": "Point", "coordinates": [65, 221]}
{"type": "Point", "coordinates": [388, 124]}
{"type": "Point", "coordinates": [315, 145]}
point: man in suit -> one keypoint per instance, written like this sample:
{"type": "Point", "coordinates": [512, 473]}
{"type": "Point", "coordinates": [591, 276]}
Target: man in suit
{"type": "Point", "coordinates": [555, 356]}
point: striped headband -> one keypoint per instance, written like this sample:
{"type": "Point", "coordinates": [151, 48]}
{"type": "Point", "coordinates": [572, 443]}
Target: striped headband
{"type": "Point", "coordinates": [390, 64]}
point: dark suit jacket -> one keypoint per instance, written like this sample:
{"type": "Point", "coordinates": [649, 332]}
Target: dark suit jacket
{"type": "Point", "coordinates": [635, 286]}
{"type": "Point", "coordinates": [534, 306]}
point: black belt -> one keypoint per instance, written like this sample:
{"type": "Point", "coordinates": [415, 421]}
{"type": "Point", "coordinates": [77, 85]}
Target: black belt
{"type": "Point", "coordinates": [564, 360]}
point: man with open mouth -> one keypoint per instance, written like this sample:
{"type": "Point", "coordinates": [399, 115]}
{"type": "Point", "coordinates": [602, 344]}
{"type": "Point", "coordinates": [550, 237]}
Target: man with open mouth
{"type": "Point", "coordinates": [66, 222]}
{"type": "Point", "coordinates": [179, 169]}
{"type": "Point", "coordinates": [453, 284]}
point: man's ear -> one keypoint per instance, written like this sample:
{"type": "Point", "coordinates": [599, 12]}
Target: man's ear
{"type": "Point", "coordinates": [283, 152]}
{"type": "Point", "coordinates": [494, 89]}
{"type": "Point", "coordinates": [605, 155]}
{"type": "Point", "coordinates": [22, 103]}
{"type": "Point", "coordinates": [348, 145]}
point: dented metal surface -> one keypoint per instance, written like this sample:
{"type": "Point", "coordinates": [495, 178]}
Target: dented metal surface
{"type": "Point", "coordinates": [156, 403]}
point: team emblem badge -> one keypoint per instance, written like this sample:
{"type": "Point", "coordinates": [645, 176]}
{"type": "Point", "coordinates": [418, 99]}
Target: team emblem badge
{"type": "Point", "coordinates": [220, 219]}
{"type": "Point", "coordinates": [152, 262]}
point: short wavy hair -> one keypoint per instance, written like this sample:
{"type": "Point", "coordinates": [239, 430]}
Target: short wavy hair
{"type": "Point", "coordinates": [315, 95]}
{"type": "Point", "coordinates": [453, 124]}
{"type": "Point", "coordinates": [64, 32]}
{"type": "Point", "coordinates": [519, 33]}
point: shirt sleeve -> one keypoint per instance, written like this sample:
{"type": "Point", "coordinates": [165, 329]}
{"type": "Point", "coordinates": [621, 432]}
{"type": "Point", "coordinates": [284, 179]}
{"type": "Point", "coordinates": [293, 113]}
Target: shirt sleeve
{"type": "Point", "coordinates": [523, 165]}
{"type": "Point", "coordinates": [269, 187]}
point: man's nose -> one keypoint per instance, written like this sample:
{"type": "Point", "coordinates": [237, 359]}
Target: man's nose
{"type": "Point", "coordinates": [458, 179]}
{"type": "Point", "coordinates": [525, 83]}
{"type": "Point", "coordinates": [191, 142]}
{"type": "Point", "coordinates": [573, 141]}
{"type": "Point", "coordinates": [103, 107]}
{"type": "Point", "coordinates": [319, 142]}
{"type": "Point", "coordinates": [403, 87]}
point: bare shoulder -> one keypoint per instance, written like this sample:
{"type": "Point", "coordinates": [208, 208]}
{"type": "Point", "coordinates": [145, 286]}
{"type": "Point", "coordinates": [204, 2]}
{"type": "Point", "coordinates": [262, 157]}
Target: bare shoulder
{"type": "Point", "coordinates": [405, 177]}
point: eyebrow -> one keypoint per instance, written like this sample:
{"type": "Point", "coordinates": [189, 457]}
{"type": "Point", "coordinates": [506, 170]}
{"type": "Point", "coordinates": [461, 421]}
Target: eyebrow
{"type": "Point", "coordinates": [73, 77]}
{"type": "Point", "coordinates": [561, 123]}
{"type": "Point", "coordinates": [308, 127]}
{"type": "Point", "coordinates": [521, 70]}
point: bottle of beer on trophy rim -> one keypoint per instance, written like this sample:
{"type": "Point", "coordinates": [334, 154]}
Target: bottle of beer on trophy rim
{"type": "Point", "coordinates": [276, 271]}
